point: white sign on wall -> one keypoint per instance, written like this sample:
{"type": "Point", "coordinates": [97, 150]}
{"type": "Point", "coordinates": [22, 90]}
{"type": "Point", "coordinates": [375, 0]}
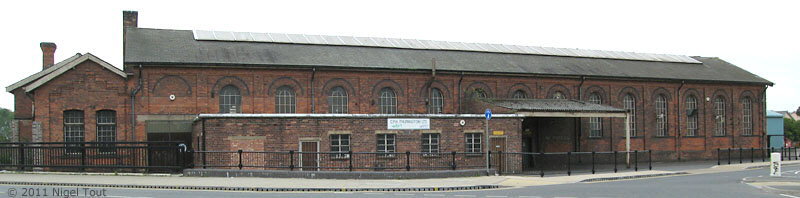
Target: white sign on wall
{"type": "Point", "coordinates": [408, 123]}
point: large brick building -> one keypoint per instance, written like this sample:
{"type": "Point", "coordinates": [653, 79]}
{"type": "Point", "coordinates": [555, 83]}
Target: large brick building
{"type": "Point", "coordinates": [279, 92]}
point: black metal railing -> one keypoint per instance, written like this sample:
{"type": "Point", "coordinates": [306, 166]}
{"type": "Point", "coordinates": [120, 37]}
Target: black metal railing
{"type": "Point", "coordinates": [91, 156]}
{"type": "Point", "coordinates": [746, 155]}
{"type": "Point", "coordinates": [502, 162]}
{"type": "Point", "coordinates": [573, 162]}
{"type": "Point", "coordinates": [339, 161]}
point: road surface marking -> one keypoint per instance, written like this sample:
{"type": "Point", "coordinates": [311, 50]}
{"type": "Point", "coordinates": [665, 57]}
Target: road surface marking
{"type": "Point", "coordinates": [495, 196]}
{"type": "Point", "coordinates": [785, 195]}
{"type": "Point", "coordinates": [465, 195]}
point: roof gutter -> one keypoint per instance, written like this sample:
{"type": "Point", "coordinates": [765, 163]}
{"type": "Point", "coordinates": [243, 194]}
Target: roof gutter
{"type": "Point", "coordinates": [427, 70]}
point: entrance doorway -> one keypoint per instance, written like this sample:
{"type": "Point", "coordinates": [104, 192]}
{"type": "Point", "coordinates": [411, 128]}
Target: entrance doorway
{"type": "Point", "coordinates": [161, 154]}
{"type": "Point", "coordinates": [309, 157]}
{"type": "Point", "coordinates": [497, 145]}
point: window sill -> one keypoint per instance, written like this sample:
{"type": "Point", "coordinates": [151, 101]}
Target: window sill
{"type": "Point", "coordinates": [632, 137]}
{"type": "Point", "coordinates": [719, 136]}
{"type": "Point", "coordinates": [663, 136]}
{"type": "Point", "coordinates": [750, 135]}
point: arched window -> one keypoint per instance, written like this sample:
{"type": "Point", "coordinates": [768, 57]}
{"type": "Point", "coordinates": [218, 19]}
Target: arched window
{"type": "Point", "coordinates": [661, 115]}
{"type": "Point", "coordinates": [436, 102]}
{"type": "Point", "coordinates": [285, 100]}
{"type": "Point", "coordinates": [719, 116]}
{"type": "Point", "coordinates": [519, 94]}
{"type": "Point", "coordinates": [73, 126]}
{"type": "Point", "coordinates": [106, 126]}
{"type": "Point", "coordinates": [478, 93]}
{"type": "Point", "coordinates": [747, 116]}
{"type": "Point", "coordinates": [595, 124]}
{"type": "Point", "coordinates": [230, 100]}
{"type": "Point", "coordinates": [387, 102]}
{"type": "Point", "coordinates": [338, 100]}
{"type": "Point", "coordinates": [629, 102]}
{"type": "Point", "coordinates": [691, 116]}
{"type": "Point", "coordinates": [558, 95]}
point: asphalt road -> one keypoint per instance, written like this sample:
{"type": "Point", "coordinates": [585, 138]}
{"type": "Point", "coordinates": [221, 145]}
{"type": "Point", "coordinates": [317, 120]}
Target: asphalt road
{"type": "Point", "coordinates": [727, 184]}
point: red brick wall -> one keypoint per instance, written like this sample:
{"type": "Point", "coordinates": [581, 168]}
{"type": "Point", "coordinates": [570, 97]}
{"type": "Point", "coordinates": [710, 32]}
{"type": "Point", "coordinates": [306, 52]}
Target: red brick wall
{"type": "Point", "coordinates": [88, 87]}
{"type": "Point", "coordinates": [284, 134]}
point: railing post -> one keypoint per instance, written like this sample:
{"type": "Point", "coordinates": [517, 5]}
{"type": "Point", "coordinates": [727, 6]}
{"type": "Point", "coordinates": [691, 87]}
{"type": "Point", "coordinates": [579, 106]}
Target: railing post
{"type": "Point", "coordinates": [783, 153]}
{"type": "Point", "coordinates": [592, 162]}
{"type": "Point", "coordinates": [752, 154]}
{"type": "Point", "coordinates": [763, 154]}
{"type": "Point", "coordinates": [650, 159]}
{"type": "Point", "coordinates": [740, 154]}
{"type": "Point", "coordinates": [204, 158]}
{"type": "Point", "coordinates": [636, 160]}
{"type": "Point", "coordinates": [718, 156]}
{"type": "Point", "coordinates": [488, 160]}
{"type": "Point", "coordinates": [408, 160]}
{"type": "Point", "coordinates": [291, 160]}
{"type": "Point", "coordinates": [541, 169]}
{"type": "Point", "coordinates": [453, 160]}
{"type": "Point", "coordinates": [350, 158]}
{"type": "Point", "coordinates": [729, 155]}
{"type": "Point", "coordinates": [240, 159]}
{"type": "Point", "coordinates": [569, 164]}
{"type": "Point", "coordinates": [615, 161]}
{"type": "Point", "coordinates": [21, 157]}
{"type": "Point", "coordinates": [83, 157]}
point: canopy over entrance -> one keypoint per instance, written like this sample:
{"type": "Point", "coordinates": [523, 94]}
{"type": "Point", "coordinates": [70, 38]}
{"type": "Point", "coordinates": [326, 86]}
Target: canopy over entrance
{"type": "Point", "coordinates": [557, 108]}
{"type": "Point", "coordinates": [553, 112]}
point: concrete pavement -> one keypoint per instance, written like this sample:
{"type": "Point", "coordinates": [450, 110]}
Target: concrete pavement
{"type": "Point", "coordinates": [295, 184]}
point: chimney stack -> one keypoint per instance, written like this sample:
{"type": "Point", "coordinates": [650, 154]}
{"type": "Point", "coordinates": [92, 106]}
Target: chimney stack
{"type": "Point", "coordinates": [130, 19]}
{"type": "Point", "coordinates": [48, 54]}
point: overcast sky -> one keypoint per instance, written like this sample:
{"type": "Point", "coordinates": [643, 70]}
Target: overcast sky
{"type": "Point", "coordinates": [762, 37]}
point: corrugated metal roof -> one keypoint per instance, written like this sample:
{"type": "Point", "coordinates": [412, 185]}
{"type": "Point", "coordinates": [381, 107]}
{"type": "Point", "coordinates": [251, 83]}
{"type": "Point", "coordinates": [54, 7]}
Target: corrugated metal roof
{"type": "Point", "coordinates": [553, 105]}
{"type": "Point", "coordinates": [156, 46]}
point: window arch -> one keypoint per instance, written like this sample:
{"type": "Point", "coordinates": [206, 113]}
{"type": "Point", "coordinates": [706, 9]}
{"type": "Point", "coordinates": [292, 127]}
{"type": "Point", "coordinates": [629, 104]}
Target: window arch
{"type": "Point", "coordinates": [558, 95]}
{"type": "Point", "coordinates": [73, 126]}
{"type": "Point", "coordinates": [387, 101]}
{"type": "Point", "coordinates": [478, 93]}
{"type": "Point", "coordinates": [337, 100]}
{"type": "Point", "coordinates": [661, 115]}
{"type": "Point", "coordinates": [519, 94]}
{"type": "Point", "coordinates": [285, 100]}
{"type": "Point", "coordinates": [629, 103]}
{"type": "Point", "coordinates": [719, 116]}
{"type": "Point", "coordinates": [747, 116]}
{"type": "Point", "coordinates": [230, 99]}
{"type": "Point", "coordinates": [595, 124]}
{"type": "Point", "coordinates": [106, 126]}
{"type": "Point", "coordinates": [691, 115]}
{"type": "Point", "coordinates": [436, 104]}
